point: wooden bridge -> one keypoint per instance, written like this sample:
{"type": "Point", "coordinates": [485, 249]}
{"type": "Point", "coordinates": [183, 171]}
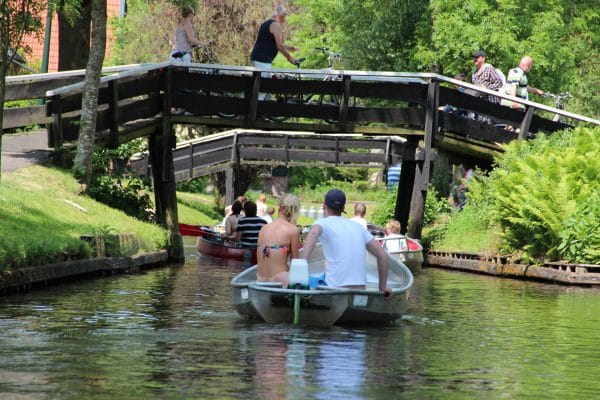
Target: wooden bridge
{"type": "Point", "coordinates": [136, 101]}
{"type": "Point", "coordinates": [226, 151]}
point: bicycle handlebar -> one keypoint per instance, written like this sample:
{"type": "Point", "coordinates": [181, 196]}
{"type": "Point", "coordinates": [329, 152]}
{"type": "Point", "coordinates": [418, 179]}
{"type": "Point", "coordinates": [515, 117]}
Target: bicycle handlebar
{"type": "Point", "coordinates": [299, 60]}
{"type": "Point", "coordinates": [565, 95]}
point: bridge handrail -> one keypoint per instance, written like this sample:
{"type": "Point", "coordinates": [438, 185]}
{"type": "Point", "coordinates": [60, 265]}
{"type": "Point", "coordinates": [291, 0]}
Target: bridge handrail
{"type": "Point", "coordinates": [415, 77]}
{"type": "Point", "coordinates": [65, 74]}
{"type": "Point", "coordinates": [139, 69]}
{"type": "Point", "coordinates": [519, 100]}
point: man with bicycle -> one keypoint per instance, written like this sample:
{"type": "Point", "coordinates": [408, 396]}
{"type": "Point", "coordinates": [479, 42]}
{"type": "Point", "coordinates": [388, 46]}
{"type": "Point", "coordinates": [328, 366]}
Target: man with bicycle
{"type": "Point", "coordinates": [270, 41]}
{"type": "Point", "coordinates": [517, 85]}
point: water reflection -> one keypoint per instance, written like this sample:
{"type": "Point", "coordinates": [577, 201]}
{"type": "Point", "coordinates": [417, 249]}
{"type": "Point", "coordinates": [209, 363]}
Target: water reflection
{"type": "Point", "coordinates": [293, 363]}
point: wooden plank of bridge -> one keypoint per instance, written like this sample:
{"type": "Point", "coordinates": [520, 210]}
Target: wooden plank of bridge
{"type": "Point", "coordinates": [524, 129]}
{"type": "Point", "coordinates": [113, 110]}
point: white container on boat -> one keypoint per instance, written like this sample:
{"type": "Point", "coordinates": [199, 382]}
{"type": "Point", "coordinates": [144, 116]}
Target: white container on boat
{"type": "Point", "coordinates": [312, 213]}
{"type": "Point", "coordinates": [303, 211]}
{"type": "Point", "coordinates": [298, 272]}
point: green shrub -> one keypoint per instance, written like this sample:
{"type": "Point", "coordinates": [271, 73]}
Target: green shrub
{"type": "Point", "coordinates": [535, 190]}
{"type": "Point", "coordinates": [580, 238]}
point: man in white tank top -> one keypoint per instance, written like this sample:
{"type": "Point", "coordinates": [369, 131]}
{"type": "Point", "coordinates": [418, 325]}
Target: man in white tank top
{"type": "Point", "coordinates": [344, 245]}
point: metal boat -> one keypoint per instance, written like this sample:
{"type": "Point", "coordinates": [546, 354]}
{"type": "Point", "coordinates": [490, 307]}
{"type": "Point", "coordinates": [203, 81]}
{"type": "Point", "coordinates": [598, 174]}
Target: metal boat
{"type": "Point", "coordinates": [410, 251]}
{"type": "Point", "coordinates": [324, 306]}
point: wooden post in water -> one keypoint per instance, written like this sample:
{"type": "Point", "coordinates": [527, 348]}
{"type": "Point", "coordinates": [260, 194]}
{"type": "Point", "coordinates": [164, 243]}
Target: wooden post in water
{"type": "Point", "coordinates": [422, 172]}
{"type": "Point", "coordinates": [406, 183]}
{"type": "Point", "coordinates": [161, 154]}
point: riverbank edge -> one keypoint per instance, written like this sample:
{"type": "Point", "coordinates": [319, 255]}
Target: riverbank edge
{"type": "Point", "coordinates": [25, 279]}
{"type": "Point", "coordinates": [552, 272]}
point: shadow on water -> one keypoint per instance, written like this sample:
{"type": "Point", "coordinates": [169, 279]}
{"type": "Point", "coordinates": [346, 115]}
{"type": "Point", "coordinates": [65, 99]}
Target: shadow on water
{"type": "Point", "coordinates": [173, 333]}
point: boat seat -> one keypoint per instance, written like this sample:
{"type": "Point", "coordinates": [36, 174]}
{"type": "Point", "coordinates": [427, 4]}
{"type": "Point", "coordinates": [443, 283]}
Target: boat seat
{"type": "Point", "coordinates": [298, 276]}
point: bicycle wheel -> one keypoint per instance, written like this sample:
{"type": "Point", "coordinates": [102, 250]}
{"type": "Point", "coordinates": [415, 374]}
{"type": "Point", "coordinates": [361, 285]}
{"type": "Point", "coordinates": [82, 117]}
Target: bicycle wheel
{"type": "Point", "coordinates": [334, 100]}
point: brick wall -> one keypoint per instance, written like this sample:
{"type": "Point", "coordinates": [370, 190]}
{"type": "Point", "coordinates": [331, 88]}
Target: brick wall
{"type": "Point", "coordinates": [37, 45]}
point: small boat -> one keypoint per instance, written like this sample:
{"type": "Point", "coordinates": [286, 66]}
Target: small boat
{"type": "Point", "coordinates": [323, 306]}
{"type": "Point", "coordinates": [211, 244]}
{"type": "Point", "coordinates": [193, 230]}
{"type": "Point", "coordinates": [410, 250]}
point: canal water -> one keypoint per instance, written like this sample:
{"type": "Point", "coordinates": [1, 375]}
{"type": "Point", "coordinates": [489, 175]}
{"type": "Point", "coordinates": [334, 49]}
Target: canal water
{"type": "Point", "coordinates": [171, 333]}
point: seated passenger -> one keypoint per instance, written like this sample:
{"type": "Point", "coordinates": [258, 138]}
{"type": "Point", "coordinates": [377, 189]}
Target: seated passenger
{"type": "Point", "coordinates": [394, 240]}
{"type": "Point", "coordinates": [231, 221]}
{"type": "Point", "coordinates": [278, 242]}
{"type": "Point", "coordinates": [249, 226]}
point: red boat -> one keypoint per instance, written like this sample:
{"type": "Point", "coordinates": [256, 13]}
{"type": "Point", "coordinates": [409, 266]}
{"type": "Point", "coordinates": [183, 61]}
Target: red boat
{"type": "Point", "coordinates": [213, 245]}
{"type": "Point", "coordinates": [194, 230]}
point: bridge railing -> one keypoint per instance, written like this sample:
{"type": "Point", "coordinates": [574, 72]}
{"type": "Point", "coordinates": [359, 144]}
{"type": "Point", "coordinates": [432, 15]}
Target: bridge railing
{"type": "Point", "coordinates": [218, 152]}
{"type": "Point", "coordinates": [32, 89]}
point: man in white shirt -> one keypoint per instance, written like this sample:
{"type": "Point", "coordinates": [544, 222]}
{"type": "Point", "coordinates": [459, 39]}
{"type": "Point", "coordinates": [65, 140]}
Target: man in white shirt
{"type": "Point", "coordinates": [344, 245]}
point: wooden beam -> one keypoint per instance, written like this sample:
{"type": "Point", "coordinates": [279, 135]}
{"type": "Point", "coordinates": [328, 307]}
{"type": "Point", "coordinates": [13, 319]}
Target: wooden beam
{"type": "Point", "coordinates": [524, 129]}
{"type": "Point", "coordinates": [422, 173]}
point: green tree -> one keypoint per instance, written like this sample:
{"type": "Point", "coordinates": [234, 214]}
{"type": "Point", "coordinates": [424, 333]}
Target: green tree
{"type": "Point", "coordinates": [89, 104]}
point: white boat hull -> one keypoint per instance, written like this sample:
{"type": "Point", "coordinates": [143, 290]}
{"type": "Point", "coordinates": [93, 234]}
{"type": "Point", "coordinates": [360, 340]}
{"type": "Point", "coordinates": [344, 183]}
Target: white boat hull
{"type": "Point", "coordinates": [324, 306]}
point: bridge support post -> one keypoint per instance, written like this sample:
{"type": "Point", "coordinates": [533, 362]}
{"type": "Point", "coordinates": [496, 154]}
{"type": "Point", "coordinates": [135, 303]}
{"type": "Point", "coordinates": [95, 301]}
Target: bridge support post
{"type": "Point", "coordinates": [422, 172]}
{"type": "Point", "coordinates": [163, 172]}
{"type": "Point", "coordinates": [406, 183]}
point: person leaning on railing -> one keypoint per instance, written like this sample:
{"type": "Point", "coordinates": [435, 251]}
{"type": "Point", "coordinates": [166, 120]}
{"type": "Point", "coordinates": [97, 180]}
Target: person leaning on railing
{"type": "Point", "coordinates": [517, 85]}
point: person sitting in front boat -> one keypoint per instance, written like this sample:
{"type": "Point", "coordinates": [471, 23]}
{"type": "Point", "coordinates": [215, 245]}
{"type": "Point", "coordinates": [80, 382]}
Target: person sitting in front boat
{"type": "Point", "coordinates": [394, 241]}
{"type": "Point", "coordinates": [249, 226]}
{"type": "Point", "coordinates": [278, 242]}
{"type": "Point", "coordinates": [231, 221]}
{"type": "Point", "coordinates": [345, 244]}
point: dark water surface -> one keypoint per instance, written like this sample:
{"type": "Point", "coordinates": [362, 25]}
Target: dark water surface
{"type": "Point", "coordinates": [171, 333]}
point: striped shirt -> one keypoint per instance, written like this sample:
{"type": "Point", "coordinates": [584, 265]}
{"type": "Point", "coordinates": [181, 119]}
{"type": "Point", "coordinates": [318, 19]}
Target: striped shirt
{"type": "Point", "coordinates": [250, 227]}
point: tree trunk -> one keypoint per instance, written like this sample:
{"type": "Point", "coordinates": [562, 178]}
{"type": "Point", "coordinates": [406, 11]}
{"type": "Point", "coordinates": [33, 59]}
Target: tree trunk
{"type": "Point", "coordinates": [74, 39]}
{"type": "Point", "coordinates": [89, 104]}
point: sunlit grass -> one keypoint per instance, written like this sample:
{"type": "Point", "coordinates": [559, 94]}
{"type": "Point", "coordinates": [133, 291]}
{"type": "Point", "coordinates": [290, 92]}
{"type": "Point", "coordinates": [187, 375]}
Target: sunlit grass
{"type": "Point", "coordinates": [42, 217]}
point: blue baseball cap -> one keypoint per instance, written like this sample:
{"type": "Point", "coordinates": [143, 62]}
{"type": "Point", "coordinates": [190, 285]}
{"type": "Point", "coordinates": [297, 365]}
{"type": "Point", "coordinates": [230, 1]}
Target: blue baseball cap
{"type": "Point", "coordinates": [335, 199]}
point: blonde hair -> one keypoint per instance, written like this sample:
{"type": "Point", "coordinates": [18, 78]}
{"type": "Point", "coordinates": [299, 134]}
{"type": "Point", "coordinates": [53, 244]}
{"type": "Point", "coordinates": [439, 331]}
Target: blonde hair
{"type": "Point", "coordinates": [289, 206]}
{"type": "Point", "coordinates": [262, 197]}
{"type": "Point", "coordinates": [393, 226]}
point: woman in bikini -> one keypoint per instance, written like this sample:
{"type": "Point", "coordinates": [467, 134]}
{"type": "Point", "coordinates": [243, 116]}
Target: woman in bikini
{"type": "Point", "coordinates": [278, 242]}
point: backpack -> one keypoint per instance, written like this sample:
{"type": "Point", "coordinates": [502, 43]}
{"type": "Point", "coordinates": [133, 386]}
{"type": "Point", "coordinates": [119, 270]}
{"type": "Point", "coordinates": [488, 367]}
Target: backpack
{"type": "Point", "coordinates": [502, 78]}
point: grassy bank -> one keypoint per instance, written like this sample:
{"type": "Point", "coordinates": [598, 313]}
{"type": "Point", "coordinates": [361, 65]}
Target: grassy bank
{"type": "Point", "coordinates": [42, 218]}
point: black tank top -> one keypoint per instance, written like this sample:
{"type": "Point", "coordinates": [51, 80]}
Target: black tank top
{"type": "Point", "coordinates": [265, 48]}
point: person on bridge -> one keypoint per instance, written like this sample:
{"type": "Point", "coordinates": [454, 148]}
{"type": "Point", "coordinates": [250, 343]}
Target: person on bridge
{"type": "Point", "coordinates": [184, 38]}
{"type": "Point", "coordinates": [270, 41]}
{"type": "Point", "coordinates": [486, 75]}
{"type": "Point", "coordinates": [345, 244]}
{"type": "Point", "coordinates": [517, 85]}
{"type": "Point", "coordinates": [278, 242]}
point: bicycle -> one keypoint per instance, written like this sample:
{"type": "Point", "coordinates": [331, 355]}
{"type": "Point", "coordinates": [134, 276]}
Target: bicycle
{"type": "Point", "coordinates": [333, 59]}
{"type": "Point", "coordinates": [205, 55]}
{"type": "Point", "coordinates": [558, 102]}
